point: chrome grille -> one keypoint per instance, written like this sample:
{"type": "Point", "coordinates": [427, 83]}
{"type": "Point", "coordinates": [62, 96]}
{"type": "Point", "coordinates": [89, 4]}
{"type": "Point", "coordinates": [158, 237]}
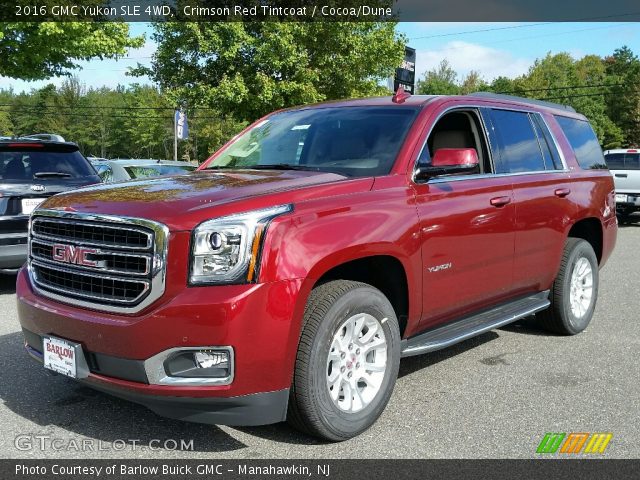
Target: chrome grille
{"type": "Point", "coordinates": [101, 262]}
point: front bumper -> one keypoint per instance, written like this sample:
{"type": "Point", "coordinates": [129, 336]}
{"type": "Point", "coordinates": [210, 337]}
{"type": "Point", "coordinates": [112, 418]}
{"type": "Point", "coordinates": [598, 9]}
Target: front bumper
{"type": "Point", "coordinates": [13, 251]}
{"type": "Point", "coordinates": [254, 409]}
{"type": "Point", "coordinates": [628, 199]}
{"type": "Point", "coordinates": [257, 320]}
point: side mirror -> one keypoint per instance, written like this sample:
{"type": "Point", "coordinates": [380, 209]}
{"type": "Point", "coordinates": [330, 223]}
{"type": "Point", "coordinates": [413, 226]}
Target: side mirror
{"type": "Point", "coordinates": [449, 161]}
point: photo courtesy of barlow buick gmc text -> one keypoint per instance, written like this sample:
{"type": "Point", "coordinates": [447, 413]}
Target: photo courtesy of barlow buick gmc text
{"type": "Point", "coordinates": [293, 239]}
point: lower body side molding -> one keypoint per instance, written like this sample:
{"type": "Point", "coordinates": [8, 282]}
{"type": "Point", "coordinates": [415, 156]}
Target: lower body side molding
{"type": "Point", "coordinates": [476, 324]}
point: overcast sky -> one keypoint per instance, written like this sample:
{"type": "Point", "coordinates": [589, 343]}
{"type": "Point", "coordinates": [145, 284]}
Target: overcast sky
{"type": "Point", "coordinates": [493, 49]}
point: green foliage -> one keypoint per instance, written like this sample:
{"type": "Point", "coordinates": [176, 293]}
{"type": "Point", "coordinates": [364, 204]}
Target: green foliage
{"type": "Point", "coordinates": [442, 80]}
{"type": "Point", "coordinates": [606, 90]}
{"type": "Point", "coordinates": [36, 51]}
{"type": "Point", "coordinates": [136, 122]}
{"type": "Point", "coordinates": [246, 70]}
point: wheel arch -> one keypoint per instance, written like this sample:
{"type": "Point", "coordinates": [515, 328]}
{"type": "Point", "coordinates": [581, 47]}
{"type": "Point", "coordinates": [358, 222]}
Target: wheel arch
{"type": "Point", "coordinates": [589, 229]}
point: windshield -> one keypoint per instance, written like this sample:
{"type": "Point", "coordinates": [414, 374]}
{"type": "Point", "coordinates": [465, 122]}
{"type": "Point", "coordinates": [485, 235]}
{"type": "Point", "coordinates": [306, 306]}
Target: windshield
{"type": "Point", "coordinates": [158, 170]}
{"type": "Point", "coordinates": [623, 161]}
{"type": "Point", "coordinates": [351, 141]}
{"type": "Point", "coordinates": [28, 165]}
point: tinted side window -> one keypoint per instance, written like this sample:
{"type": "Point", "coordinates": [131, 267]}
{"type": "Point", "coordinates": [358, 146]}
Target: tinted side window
{"type": "Point", "coordinates": [518, 143]}
{"type": "Point", "coordinates": [583, 141]}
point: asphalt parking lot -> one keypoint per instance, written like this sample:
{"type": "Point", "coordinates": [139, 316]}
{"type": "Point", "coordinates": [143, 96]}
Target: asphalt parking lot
{"type": "Point", "coordinates": [494, 396]}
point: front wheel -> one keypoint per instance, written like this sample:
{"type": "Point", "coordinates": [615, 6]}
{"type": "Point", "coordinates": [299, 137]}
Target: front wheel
{"type": "Point", "coordinates": [347, 361]}
{"type": "Point", "coordinates": [575, 290]}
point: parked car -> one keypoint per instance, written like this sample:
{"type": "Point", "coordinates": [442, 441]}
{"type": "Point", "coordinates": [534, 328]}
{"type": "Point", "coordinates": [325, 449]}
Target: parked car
{"type": "Point", "coordinates": [122, 170]}
{"type": "Point", "coordinates": [625, 167]}
{"type": "Point", "coordinates": [93, 159]}
{"type": "Point", "coordinates": [30, 171]}
{"type": "Point", "coordinates": [287, 277]}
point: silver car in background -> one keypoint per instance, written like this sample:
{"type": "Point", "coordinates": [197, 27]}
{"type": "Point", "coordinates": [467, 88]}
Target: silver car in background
{"type": "Point", "coordinates": [625, 168]}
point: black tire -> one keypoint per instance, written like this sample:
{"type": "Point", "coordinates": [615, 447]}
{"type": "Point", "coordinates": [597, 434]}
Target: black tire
{"type": "Point", "coordinates": [311, 409]}
{"type": "Point", "coordinates": [559, 317]}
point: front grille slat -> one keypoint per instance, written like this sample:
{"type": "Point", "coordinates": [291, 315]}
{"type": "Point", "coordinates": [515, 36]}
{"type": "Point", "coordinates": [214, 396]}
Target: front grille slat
{"type": "Point", "coordinates": [113, 266]}
{"type": "Point", "coordinates": [111, 261]}
{"type": "Point", "coordinates": [120, 237]}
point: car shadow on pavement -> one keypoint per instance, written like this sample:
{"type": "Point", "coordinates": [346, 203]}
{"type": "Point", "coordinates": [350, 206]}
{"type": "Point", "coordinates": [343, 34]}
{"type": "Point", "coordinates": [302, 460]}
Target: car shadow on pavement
{"type": "Point", "coordinates": [410, 365]}
{"type": "Point", "coordinates": [528, 326]}
{"type": "Point", "coordinates": [54, 402]}
{"type": "Point", "coordinates": [7, 284]}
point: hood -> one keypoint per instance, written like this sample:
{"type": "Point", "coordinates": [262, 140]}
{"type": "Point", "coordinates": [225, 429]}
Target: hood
{"type": "Point", "coordinates": [183, 201]}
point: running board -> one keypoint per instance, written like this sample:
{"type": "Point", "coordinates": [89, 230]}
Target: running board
{"type": "Point", "coordinates": [474, 325]}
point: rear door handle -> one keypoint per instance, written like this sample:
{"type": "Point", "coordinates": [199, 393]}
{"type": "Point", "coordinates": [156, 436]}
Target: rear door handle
{"type": "Point", "coordinates": [621, 175]}
{"type": "Point", "coordinates": [562, 192]}
{"type": "Point", "coordinates": [500, 201]}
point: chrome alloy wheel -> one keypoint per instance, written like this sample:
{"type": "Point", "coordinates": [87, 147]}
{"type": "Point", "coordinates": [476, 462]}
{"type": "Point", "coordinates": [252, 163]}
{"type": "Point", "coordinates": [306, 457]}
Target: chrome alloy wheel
{"type": "Point", "coordinates": [357, 362]}
{"type": "Point", "coordinates": [581, 291]}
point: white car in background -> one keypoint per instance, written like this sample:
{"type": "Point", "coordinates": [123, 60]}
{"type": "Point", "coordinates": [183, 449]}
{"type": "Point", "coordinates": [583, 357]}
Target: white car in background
{"type": "Point", "coordinates": [625, 168]}
{"type": "Point", "coordinates": [122, 170]}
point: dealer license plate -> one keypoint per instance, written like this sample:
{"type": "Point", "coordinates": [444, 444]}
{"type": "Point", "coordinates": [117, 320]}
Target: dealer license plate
{"type": "Point", "coordinates": [61, 356]}
{"type": "Point", "coordinates": [30, 204]}
{"type": "Point", "coordinates": [621, 198]}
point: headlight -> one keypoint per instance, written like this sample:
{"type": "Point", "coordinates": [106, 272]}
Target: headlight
{"type": "Point", "coordinates": [227, 249]}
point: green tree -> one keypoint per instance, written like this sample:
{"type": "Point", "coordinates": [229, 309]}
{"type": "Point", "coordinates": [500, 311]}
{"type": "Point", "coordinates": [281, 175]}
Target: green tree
{"type": "Point", "coordinates": [623, 103]}
{"type": "Point", "coordinates": [36, 51]}
{"type": "Point", "coordinates": [249, 69]}
{"type": "Point", "coordinates": [441, 80]}
{"type": "Point", "coordinates": [473, 82]}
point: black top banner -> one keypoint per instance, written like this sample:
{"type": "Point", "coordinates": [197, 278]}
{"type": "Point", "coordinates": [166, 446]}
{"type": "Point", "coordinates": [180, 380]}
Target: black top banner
{"type": "Point", "coordinates": [320, 10]}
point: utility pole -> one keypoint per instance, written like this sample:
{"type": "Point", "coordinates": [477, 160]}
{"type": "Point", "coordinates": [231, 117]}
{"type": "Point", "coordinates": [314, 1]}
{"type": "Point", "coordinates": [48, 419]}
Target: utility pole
{"type": "Point", "coordinates": [175, 135]}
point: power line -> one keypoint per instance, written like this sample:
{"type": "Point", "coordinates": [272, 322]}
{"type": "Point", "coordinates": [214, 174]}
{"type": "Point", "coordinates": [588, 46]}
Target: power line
{"type": "Point", "coordinates": [483, 30]}
{"type": "Point", "coordinates": [480, 31]}
{"type": "Point", "coordinates": [80, 107]}
{"type": "Point", "coordinates": [565, 88]}
{"type": "Point", "coordinates": [131, 117]}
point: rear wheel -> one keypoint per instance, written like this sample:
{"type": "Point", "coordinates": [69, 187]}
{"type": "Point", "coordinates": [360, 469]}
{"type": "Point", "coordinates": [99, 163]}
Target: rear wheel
{"type": "Point", "coordinates": [575, 290]}
{"type": "Point", "coordinates": [347, 361]}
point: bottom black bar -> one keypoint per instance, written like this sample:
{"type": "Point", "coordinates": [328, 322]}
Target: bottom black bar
{"type": "Point", "coordinates": [583, 469]}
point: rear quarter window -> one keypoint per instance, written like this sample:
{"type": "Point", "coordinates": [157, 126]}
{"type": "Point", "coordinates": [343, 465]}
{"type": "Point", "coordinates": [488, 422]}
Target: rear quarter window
{"type": "Point", "coordinates": [583, 141]}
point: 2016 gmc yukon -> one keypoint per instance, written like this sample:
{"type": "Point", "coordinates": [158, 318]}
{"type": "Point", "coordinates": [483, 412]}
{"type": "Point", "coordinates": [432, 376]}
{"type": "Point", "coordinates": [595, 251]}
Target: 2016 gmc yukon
{"type": "Point", "coordinates": [287, 277]}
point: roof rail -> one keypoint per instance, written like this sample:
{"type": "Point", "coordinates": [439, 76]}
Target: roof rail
{"type": "Point", "coordinates": [513, 98]}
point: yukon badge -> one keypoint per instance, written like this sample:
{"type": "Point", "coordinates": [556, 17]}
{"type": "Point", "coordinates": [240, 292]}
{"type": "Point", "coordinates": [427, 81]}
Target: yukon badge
{"type": "Point", "coordinates": [38, 188]}
{"type": "Point", "coordinates": [437, 268]}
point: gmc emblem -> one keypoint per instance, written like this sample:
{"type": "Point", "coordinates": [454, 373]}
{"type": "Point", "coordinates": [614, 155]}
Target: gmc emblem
{"type": "Point", "coordinates": [75, 255]}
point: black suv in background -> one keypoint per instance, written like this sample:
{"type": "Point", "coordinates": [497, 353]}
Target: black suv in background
{"type": "Point", "coordinates": [30, 171]}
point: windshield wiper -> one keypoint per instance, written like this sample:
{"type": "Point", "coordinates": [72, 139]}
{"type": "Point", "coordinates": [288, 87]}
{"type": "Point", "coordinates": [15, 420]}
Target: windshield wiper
{"type": "Point", "coordinates": [219, 167]}
{"type": "Point", "coordinates": [282, 166]}
{"type": "Point", "coordinates": [51, 174]}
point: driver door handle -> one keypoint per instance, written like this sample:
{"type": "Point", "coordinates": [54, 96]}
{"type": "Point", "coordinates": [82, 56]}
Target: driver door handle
{"type": "Point", "coordinates": [562, 192]}
{"type": "Point", "coordinates": [500, 201]}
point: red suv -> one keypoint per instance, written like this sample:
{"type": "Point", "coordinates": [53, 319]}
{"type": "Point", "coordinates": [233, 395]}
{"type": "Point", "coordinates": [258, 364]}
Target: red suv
{"type": "Point", "coordinates": [287, 277]}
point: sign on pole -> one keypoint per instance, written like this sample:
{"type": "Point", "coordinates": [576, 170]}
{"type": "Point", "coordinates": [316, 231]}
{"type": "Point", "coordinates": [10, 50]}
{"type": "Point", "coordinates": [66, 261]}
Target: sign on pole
{"type": "Point", "coordinates": [406, 73]}
{"type": "Point", "coordinates": [182, 128]}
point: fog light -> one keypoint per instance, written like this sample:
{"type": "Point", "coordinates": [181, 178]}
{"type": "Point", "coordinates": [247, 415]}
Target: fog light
{"type": "Point", "coordinates": [198, 366]}
{"type": "Point", "coordinates": [208, 359]}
